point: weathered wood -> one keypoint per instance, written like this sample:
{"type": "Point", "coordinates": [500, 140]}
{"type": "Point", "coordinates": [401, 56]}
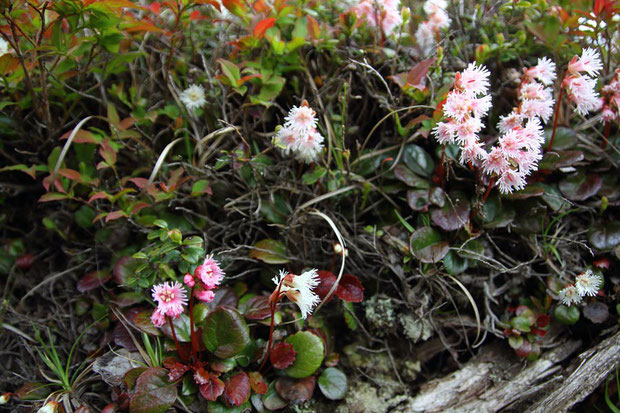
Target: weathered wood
{"type": "Point", "coordinates": [596, 364]}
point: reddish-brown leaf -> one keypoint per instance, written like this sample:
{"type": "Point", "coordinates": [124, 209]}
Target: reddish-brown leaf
{"type": "Point", "coordinates": [327, 281]}
{"type": "Point", "coordinates": [418, 73]}
{"type": "Point", "coordinates": [257, 383]}
{"type": "Point", "coordinates": [350, 289]}
{"type": "Point", "coordinates": [93, 280]}
{"type": "Point", "coordinates": [114, 215]}
{"type": "Point", "coordinates": [313, 27]}
{"type": "Point", "coordinates": [70, 174]}
{"type": "Point", "coordinates": [257, 308]}
{"type": "Point", "coordinates": [282, 355]}
{"type": "Point", "coordinates": [82, 136]}
{"type": "Point", "coordinates": [262, 26]}
{"type": "Point", "coordinates": [212, 389]}
{"type": "Point", "coordinates": [296, 390]}
{"type": "Point", "coordinates": [237, 390]}
{"type": "Point", "coordinates": [176, 371]}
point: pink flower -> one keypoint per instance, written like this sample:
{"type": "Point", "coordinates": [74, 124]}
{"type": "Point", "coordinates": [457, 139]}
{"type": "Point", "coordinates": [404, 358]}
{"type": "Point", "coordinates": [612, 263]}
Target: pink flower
{"type": "Point", "coordinates": [209, 273]}
{"type": "Point", "coordinates": [510, 121]}
{"type": "Point", "coordinates": [496, 161]}
{"type": "Point", "coordinates": [204, 295]}
{"type": "Point", "coordinates": [544, 71]}
{"type": "Point", "coordinates": [608, 115]}
{"type": "Point", "coordinates": [537, 108]}
{"type": "Point", "coordinates": [170, 298]}
{"type": "Point", "coordinates": [286, 139]}
{"type": "Point", "coordinates": [580, 90]}
{"type": "Point", "coordinates": [301, 119]}
{"type": "Point", "coordinates": [189, 280]}
{"type": "Point", "coordinates": [511, 143]}
{"type": "Point", "coordinates": [445, 132]}
{"type": "Point", "coordinates": [474, 80]}
{"type": "Point", "coordinates": [390, 20]}
{"type": "Point", "coordinates": [309, 147]}
{"type": "Point", "coordinates": [510, 181]}
{"type": "Point", "coordinates": [158, 318]}
{"type": "Point", "coordinates": [589, 62]}
{"type": "Point", "coordinates": [365, 11]}
{"type": "Point", "coordinates": [425, 36]}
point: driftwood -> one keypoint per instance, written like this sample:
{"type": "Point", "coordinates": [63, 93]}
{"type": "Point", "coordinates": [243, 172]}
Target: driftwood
{"type": "Point", "coordinates": [490, 383]}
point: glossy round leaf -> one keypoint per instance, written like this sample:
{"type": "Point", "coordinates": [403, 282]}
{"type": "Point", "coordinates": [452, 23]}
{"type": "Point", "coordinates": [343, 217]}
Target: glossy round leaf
{"type": "Point", "coordinates": [333, 383]}
{"type": "Point", "coordinates": [579, 186]}
{"type": "Point", "coordinates": [427, 246]}
{"type": "Point", "coordinates": [566, 315]}
{"type": "Point", "coordinates": [454, 215]}
{"type": "Point", "coordinates": [309, 352]}
{"type": "Point", "coordinates": [225, 333]}
{"type": "Point", "coordinates": [153, 393]}
{"type": "Point", "coordinates": [418, 160]}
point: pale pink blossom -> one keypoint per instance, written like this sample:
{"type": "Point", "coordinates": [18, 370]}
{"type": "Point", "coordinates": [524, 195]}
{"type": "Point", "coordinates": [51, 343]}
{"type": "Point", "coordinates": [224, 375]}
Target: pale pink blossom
{"type": "Point", "coordinates": [390, 20]}
{"type": "Point", "coordinates": [511, 143]}
{"type": "Point", "coordinates": [457, 106]}
{"type": "Point", "coordinates": [435, 6]}
{"type": "Point", "coordinates": [608, 115]}
{"type": "Point", "coordinates": [158, 318]}
{"type": "Point", "coordinates": [428, 31]}
{"type": "Point", "coordinates": [580, 90]}
{"type": "Point", "coordinates": [544, 71]}
{"type": "Point", "coordinates": [425, 35]}
{"type": "Point", "coordinates": [473, 81]}
{"type": "Point", "coordinates": [537, 108]}
{"type": "Point", "coordinates": [309, 147]}
{"type": "Point", "coordinates": [204, 295]}
{"type": "Point", "coordinates": [496, 162]}
{"type": "Point", "coordinates": [299, 289]}
{"type": "Point", "coordinates": [301, 119]}
{"type": "Point", "coordinates": [510, 121]}
{"type": "Point", "coordinates": [286, 139]}
{"type": "Point", "coordinates": [365, 11]}
{"type": "Point", "coordinates": [170, 298]}
{"type": "Point", "coordinates": [445, 132]}
{"type": "Point", "coordinates": [209, 273]}
{"type": "Point", "coordinates": [589, 62]}
{"type": "Point", "coordinates": [510, 181]}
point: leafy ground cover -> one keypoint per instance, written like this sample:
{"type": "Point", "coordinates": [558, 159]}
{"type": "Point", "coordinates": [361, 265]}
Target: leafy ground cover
{"type": "Point", "coordinates": [361, 206]}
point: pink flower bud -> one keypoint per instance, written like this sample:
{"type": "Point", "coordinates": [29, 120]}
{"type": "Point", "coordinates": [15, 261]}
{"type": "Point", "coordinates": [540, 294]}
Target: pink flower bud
{"type": "Point", "coordinates": [204, 295]}
{"type": "Point", "coordinates": [189, 280]}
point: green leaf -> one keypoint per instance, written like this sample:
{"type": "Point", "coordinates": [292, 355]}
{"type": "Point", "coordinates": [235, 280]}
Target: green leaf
{"type": "Point", "coordinates": [310, 178]}
{"type": "Point", "coordinates": [427, 245]}
{"type": "Point", "coordinates": [333, 383]}
{"type": "Point", "coordinates": [309, 351]}
{"type": "Point", "coordinates": [225, 333]}
{"type": "Point", "coordinates": [418, 160]}
{"type": "Point", "coordinates": [269, 251]}
{"type": "Point", "coordinates": [454, 263]}
{"type": "Point", "coordinates": [566, 315]}
{"type": "Point", "coordinates": [154, 393]}
{"type": "Point", "coordinates": [200, 188]}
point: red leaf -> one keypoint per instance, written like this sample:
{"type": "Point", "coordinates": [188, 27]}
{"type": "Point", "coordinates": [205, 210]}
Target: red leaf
{"type": "Point", "coordinates": [212, 389]}
{"type": "Point", "coordinates": [313, 27]}
{"type": "Point", "coordinates": [350, 289]}
{"type": "Point", "coordinates": [176, 371]}
{"type": "Point", "coordinates": [296, 391]}
{"type": "Point", "coordinates": [82, 136]}
{"type": "Point", "coordinates": [156, 7]}
{"type": "Point", "coordinates": [107, 152]}
{"type": "Point", "coordinates": [602, 263]}
{"type": "Point", "coordinates": [282, 355]}
{"type": "Point", "coordinates": [543, 320]}
{"type": "Point", "coordinates": [237, 389]}
{"type": "Point", "coordinates": [418, 73]}
{"type": "Point", "coordinates": [93, 280]}
{"type": "Point", "coordinates": [24, 262]}
{"type": "Point", "coordinates": [139, 206]}
{"type": "Point", "coordinates": [114, 215]}
{"type": "Point", "coordinates": [195, 15]}
{"type": "Point", "coordinates": [262, 26]}
{"type": "Point", "coordinates": [53, 196]}
{"type": "Point", "coordinates": [99, 195]}
{"type": "Point", "coordinates": [327, 281]}
{"type": "Point", "coordinates": [257, 308]}
{"type": "Point", "coordinates": [139, 182]}
{"type": "Point", "coordinates": [71, 174]}
{"type": "Point", "coordinates": [257, 383]}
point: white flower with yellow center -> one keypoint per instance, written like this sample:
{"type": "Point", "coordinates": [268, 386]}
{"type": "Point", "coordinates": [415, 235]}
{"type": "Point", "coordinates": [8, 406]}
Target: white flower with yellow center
{"type": "Point", "coordinates": [588, 283]}
{"type": "Point", "coordinates": [193, 97]}
{"type": "Point", "coordinates": [570, 295]}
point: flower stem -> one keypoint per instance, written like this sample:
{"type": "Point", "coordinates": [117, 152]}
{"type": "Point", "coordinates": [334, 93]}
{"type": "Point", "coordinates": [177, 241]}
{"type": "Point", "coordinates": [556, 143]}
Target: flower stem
{"type": "Point", "coordinates": [174, 335]}
{"type": "Point", "coordinates": [271, 328]}
{"type": "Point", "coordinates": [484, 198]}
{"type": "Point", "coordinates": [191, 326]}
{"type": "Point", "coordinates": [557, 116]}
{"type": "Point", "coordinates": [606, 131]}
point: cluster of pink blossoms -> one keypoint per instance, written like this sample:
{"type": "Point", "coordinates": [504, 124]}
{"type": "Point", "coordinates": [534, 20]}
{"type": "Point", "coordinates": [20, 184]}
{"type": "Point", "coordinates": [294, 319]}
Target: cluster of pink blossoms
{"type": "Point", "coordinates": [428, 31]}
{"type": "Point", "coordinates": [611, 100]}
{"type": "Point", "coordinates": [465, 105]}
{"type": "Point", "coordinates": [518, 150]}
{"type": "Point", "coordinates": [580, 82]}
{"type": "Point", "coordinates": [384, 14]}
{"type": "Point", "coordinates": [299, 135]}
{"type": "Point", "coordinates": [171, 298]}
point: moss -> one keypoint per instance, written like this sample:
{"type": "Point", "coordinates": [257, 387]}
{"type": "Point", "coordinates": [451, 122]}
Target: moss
{"type": "Point", "coordinates": [416, 328]}
{"type": "Point", "coordinates": [380, 315]}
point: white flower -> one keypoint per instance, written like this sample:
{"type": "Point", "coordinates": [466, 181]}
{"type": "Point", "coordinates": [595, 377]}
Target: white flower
{"type": "Point", "coordinates": [309, 146]}
{"type": "Point", "coordinates": [589, 62]}
{"type": "Point", "coordinates": [588, 283]}
{"type": "Point", "coordinates": [285, 139]}
{"type": "Point", "coordinates": [544, 71]}
{"type": "Point", "coordinates": [581, 92]}
{"type": "Point", "coordinates": [193, 97]}
{"type": "Point", "coordinates": [49, 407]}
{"type": "Point", "coordinates": [474, 80]}
{"type": "Point", "coordinates": [4, 47]}
{"type": "Point", "coordinates": [570, 295]}
{"type": "Point", "coordinates": [301, 119]}
{"type": "Point", "coordinates": [298, 289]}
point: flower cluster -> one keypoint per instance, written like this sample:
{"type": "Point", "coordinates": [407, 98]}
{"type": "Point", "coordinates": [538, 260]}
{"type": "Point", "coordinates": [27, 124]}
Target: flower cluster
{"type": "Point", "coordinates": [586, 284]}
{"type": "Point", "coordinates": [428, 31]}
{"type": "Point", "coordinates": [170, 300]}
{"type": "Point", "coordinates": [518, 150]}
{"type": "Point", "coordinates": [209, 275]}
{"type": "Point", "coordinates": [299, 135]}
{"type": "Point", "coordinates": [384, 14]}
{"type": "Point", "coordinates": [611, 99]}
{"type": "Point", "coordinates": [464, 107]}
{"type": "Point", "coordinates": [298, 289]}
{"type": "Point", "coordinates": [580, 82]}
{"type": "Point", "coordinates": [193, 97]}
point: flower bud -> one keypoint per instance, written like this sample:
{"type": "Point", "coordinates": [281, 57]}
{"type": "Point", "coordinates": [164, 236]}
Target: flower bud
{"type": "Point", "coordinates": [189, 280]}
{"type": "Point", "coordinates": [50, 407]}
{"type": "Point", "coordinates": [4, 398]}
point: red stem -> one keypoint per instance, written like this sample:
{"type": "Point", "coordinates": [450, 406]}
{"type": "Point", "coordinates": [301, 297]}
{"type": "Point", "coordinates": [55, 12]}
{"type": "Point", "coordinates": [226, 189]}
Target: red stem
{"type": "Point", "coordinates": [174, 335]}
{"type": "Point", "coordinates": [557, 116]}
{"type": "Point", "coordinates": [484, 198]}
{"type": "Point", "coordinates": [191, 326]}
{"type": "Point", "coordinates": [273, 305]}
{"type": "Point", "coordinates": [606, 132]}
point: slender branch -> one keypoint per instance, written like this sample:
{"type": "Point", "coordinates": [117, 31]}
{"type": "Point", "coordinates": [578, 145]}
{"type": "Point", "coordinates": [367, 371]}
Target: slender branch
{"type": "Point", "coordinates": [557, 116]}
